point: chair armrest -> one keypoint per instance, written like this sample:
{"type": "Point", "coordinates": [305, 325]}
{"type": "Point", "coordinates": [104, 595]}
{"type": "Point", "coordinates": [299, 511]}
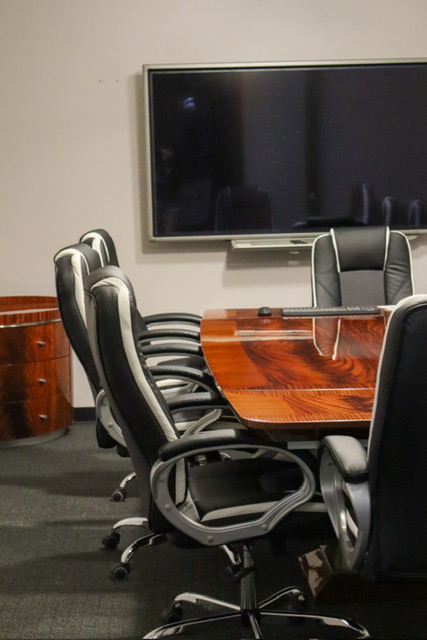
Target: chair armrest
{"type": "Point", "coordinates": [345, 489]}
{"type": "Point", "coordinates": [197, 401]}
{"type": "Point", "coordinates": [188, 522]}
{"type": "Point", "coordinates": [186, 318]}
{"type": "Point", "coordinates": [187, 374]}
{"type": "Point", "coordinates": [103, 411]}
{"type": "Point", "coordinates": [215, 408]}
{"type": "Point", "coordinates": [172, 349]}
{"type": "Point", "coordinates": [161, 334]}
{"type": "Point", "coordinates": [212, 440]}
{"type": "Point", "coordinates": [349, 456]}
{"type": "Point", "coordinates": [216, 412]}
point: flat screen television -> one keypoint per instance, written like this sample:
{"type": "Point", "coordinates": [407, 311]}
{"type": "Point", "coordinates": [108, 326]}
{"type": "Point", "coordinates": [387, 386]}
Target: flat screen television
{"type": "Point", "coordinates": [282, 152]}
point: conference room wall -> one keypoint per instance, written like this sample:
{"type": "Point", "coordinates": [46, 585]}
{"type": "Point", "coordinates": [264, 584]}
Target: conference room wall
{"type": "Point", "coordinates": [72, 137]}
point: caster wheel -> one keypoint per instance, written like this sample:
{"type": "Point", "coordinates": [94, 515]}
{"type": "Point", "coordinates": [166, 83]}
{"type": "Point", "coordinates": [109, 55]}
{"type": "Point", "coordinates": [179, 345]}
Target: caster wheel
{"type": "Point", "coordinates": [118, 495]}
{"type": "Point", "coordinates": [173, 615]}
{"type": "Point", "coordinates": [298, 604]}
{"type": "Point", "coordinates": [121, 572]}
{"type": "Point", "coordinates": [111, 541]}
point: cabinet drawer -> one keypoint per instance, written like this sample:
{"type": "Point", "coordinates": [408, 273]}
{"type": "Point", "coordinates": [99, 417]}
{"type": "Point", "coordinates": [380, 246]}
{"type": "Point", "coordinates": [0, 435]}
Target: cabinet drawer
{"type": "Point", "coordinates": [35, 380]}
{"type": "Point", "coordinates": [33, 343]}
{"type": "Point", "coordinates": [35, 417]}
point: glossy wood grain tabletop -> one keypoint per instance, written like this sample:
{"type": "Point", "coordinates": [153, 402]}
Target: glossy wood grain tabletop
{"type": "Point", "coordinates": [302, 374]}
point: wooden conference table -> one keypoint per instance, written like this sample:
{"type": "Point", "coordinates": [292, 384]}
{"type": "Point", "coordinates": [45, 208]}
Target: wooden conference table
{"type": "Point", "coordinates": [298, 378]}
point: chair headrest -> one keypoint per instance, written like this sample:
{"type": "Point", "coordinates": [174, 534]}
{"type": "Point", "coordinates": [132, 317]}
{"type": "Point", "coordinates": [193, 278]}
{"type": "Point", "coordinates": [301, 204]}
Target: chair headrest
{"type": "Point", "coordinates": [361, 248]}
{"type": "Point", "coordinates": [82, 252]}
{"type": "Point", "coordinates": [110, 271]}
{"type": "Point", "coordinates": [101, 241]}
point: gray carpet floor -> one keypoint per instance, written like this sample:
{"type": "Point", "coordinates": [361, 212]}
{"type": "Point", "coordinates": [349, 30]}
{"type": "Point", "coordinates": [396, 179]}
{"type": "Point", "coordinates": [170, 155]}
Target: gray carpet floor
{"type": "Point", "coordinates": [55, 575]}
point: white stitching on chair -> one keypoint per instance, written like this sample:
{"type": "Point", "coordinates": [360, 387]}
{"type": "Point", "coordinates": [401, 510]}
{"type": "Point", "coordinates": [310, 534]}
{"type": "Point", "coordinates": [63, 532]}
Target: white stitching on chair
{"type": "Point", "coordinates": [410, 257]}
{"type": "Point", "coordinates": [387, 247]}
{"type": "Point", "coordinates": [334, 243]}
{"type": "Point", "coordinates": [313, 262]}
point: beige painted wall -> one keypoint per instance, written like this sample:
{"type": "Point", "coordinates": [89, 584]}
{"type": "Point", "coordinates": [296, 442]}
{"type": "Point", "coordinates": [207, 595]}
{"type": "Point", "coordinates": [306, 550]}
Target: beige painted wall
{"type": "Point", "coordinates": [71, 135]}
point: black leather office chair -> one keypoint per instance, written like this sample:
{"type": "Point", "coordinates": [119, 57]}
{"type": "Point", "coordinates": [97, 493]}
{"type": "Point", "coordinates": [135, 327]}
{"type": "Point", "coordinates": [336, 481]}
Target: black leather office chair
{"type": "Point", "coordinates": [360, 267]}
{"type": "Point", "coordinates": [72, 264]}
{"type": "Point", "coordinates": [181, 346]}
{"type": "Point", "coordinates": [216, 503]}
{"type": "Point", "coordinates": [376, 499]}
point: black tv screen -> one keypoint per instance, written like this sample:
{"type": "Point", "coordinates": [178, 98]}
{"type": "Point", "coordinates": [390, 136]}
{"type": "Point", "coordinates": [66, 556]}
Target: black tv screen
{"type": "Point", "coordinates": [237, 151]}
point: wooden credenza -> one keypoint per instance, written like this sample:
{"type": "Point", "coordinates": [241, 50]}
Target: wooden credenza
{"type": "Point", "coordinates": [35, 370]}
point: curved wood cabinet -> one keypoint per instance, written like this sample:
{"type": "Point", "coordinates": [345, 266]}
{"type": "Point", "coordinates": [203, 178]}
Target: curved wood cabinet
{"type": "Point", "coordinates": [35, 370]}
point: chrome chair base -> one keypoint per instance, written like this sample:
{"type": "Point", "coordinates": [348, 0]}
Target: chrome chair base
{"type": "Point", "coordinates": [253, 619]}
{"type": "Point", "coordinates": [250, 612]}
{"type": "Point", "coordinates": [112, 539]}
{"type": "Point", "coordinates": [120, 493]}
{"type": "Point", "coordinates": [122, 570]}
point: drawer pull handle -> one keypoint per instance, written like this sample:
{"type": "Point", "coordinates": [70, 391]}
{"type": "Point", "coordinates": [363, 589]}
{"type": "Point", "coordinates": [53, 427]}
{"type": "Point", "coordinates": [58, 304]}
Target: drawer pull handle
{"type": "Point", "coordinates": [43, 416]}
{"type": "Point", "coordinates": [41, 343]}
{"type": "Point", "coordinates": [42, 380]}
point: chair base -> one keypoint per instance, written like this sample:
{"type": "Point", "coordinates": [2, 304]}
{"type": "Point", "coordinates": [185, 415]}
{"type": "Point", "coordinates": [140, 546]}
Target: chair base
{"type": "Point", "coordinates": [250, 612]}
{"type": "Point", "coordinates": [252, 619]}
{"type": "Point", "coordinates": [120, 493]}
{"type": "Point", "coordinates": [122, 570]}
{"type": "Point", "coordinates": [112, 539]}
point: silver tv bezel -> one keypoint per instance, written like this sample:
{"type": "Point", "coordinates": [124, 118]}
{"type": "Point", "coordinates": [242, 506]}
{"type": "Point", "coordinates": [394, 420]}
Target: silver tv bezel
{"type": "Point", "coordinates": [295, 241]}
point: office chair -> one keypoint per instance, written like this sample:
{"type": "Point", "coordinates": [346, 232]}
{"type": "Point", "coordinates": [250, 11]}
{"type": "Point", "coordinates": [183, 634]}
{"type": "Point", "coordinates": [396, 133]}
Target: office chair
{"type": "Point", "coordinates": [360, 266]}
{"type": "Point", "coordinates": [376, 499]}
{"type": "Point", "coordinates": [192, 500]}
{"type": "Point", "coordinates": [72, 264]}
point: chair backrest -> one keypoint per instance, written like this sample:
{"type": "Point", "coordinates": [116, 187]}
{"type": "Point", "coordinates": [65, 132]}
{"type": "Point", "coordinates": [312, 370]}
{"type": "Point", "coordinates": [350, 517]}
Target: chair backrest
{"type": "Point", "coordinates": [72, 265]}
{"type": "Point", "coordinates": [135, 399]}
{"type": "Point", "coordinates": [361, 266]}
{"type": "Point", "coordinates": [101, 242]}
{"type": "Point", "coordinates": [397, 452]}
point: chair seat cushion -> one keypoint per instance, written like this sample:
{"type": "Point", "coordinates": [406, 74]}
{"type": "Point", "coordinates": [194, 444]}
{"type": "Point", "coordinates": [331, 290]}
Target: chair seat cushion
{"type": "Point", "coordinates": [234, 486]}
